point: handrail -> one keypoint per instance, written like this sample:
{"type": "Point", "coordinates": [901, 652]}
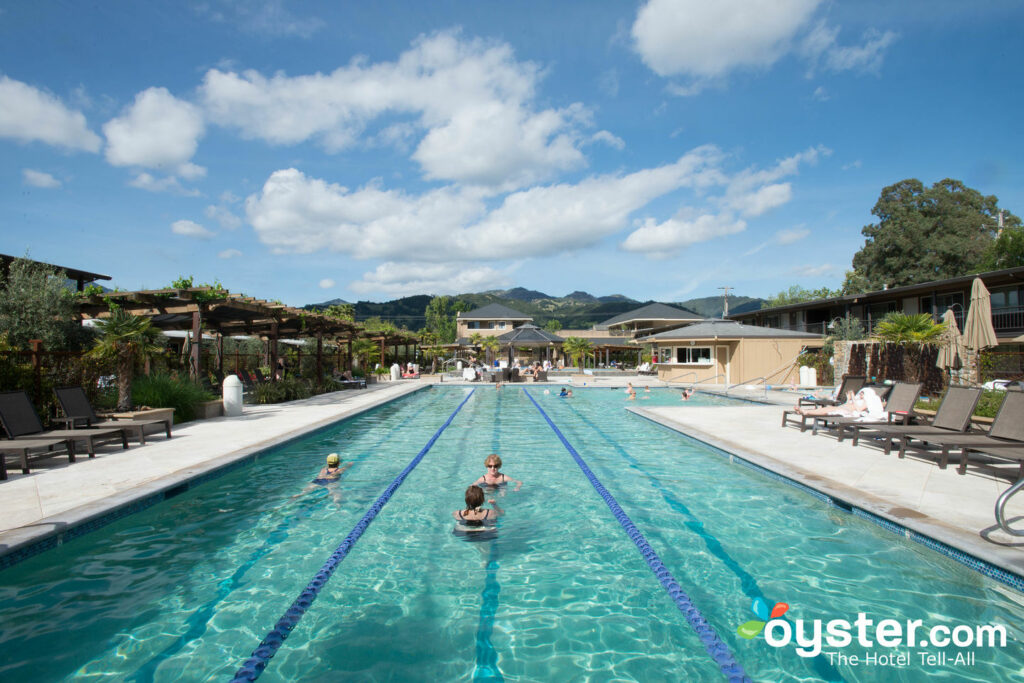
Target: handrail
{"type": "Point", "coordinates": [1001, 505]}
{"type": "Point", "coordinates": [708, 379]}
{"type": "Point", "coordinates": [763, 379]}
{"type": "Point", "coordinates": [685, 374]}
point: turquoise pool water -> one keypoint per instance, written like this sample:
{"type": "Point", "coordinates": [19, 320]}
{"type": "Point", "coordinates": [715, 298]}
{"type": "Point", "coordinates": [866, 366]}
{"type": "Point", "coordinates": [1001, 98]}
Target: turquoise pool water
{"type": "Point", "coordinates": [187, 589]}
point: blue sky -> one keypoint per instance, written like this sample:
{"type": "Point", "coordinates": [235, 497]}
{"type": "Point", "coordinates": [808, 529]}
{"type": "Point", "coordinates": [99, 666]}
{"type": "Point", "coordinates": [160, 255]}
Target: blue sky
{"type": "Point", "coordinates": [305, 151]}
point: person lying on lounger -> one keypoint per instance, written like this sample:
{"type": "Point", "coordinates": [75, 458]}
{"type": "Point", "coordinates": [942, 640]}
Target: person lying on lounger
{"type": "Point", "coordinates": [864, 402]}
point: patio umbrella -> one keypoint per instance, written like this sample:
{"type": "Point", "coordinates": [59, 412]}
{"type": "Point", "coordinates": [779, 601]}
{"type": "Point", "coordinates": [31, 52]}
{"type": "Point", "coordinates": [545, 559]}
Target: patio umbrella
{"type": "Point", "coordinates": [978, 332]}
{"type": "Point", "coordinates": [951, 350]}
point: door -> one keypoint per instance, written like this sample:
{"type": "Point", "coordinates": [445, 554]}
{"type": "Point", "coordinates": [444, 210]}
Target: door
{"type": "Point", "coordinates": [722, 359]}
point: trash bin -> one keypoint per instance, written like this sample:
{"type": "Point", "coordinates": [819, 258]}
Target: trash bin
{"type": "Point", "coordinates": [232, 396]}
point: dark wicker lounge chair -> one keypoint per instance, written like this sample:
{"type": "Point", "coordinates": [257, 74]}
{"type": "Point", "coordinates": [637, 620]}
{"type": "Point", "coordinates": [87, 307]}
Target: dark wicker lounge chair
{"type": "Point", "coordinates": [20, 421]}
{"type": "Point", "coordinates": [75, 404]}
{"type": "Point", "coordinates": [850, 383]}
{"type": "Point", "coordinates": [952, 417]}
{"type": "Point", "coordinates": [899, 409]}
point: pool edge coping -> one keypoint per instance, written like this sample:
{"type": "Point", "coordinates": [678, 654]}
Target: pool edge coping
{"type": "Point", "coordinates": [927, 531]}
{"type": "Point", "coordinates": [21, 543]}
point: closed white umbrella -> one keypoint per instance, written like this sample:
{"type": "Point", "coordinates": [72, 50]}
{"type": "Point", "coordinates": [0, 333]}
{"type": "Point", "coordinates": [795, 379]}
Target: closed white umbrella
{"type": "Point", "coordinates": [978, 331]}
{"type": "Point", "coordinates": [951, 351]}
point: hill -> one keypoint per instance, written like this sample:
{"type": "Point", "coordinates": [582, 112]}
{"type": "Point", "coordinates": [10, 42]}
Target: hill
{"type": "Point", "coordinates": [577, 310]}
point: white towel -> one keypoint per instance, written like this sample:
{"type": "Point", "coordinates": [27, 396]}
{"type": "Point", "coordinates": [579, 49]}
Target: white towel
{"type": "Point", "coordinates": [875, 411]}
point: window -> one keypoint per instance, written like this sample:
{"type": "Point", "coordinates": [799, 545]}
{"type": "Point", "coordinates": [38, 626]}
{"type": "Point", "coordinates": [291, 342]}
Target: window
{"type": "Point", "coordinates": [496, 325]}
{"type": "Point", "coordinates": [693, 355]}
{"type": "Point", "coordinates": [473, 325]}
{"type": "Point", "coordinates": [1005, 297]}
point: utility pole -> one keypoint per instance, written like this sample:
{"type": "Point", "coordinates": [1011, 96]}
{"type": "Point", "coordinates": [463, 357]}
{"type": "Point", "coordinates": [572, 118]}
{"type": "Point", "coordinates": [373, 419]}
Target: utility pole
{"type": "Point", "coordinates": [725, 299]}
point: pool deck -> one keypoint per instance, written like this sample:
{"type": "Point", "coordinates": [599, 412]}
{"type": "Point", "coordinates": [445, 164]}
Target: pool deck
{"type": "Point", "coordinates": [57, 495]}
{"type": "Point", "coordinates": [912, 492]}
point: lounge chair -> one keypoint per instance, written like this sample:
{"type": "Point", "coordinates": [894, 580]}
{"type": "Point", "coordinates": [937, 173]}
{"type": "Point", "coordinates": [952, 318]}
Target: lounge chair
{"type": "Point", "coordinates": [899, 408]}
{"type": "Point", "coordinates": [1004, 440]}
{"type": "Point", "coordinates": [79, 414]}
{"type": "Point", "coordinates": [952, 417]}
{"type": "Point", "coordinates": [850, 383]}
{"type": "Point", "coordinates": [23, 446]}
{"type": "Point", "coordinates": [21, 422]}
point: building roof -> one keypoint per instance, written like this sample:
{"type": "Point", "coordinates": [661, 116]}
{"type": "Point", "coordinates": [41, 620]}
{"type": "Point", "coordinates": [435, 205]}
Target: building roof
{"type": "Point", "coordinates": [991, 278]}
{"type": "Point", "coordinates": [727, 329]}
{"type": "Point", "coordinates": [652, 312]}
{"type": "Point", "coordinates": [494, 312]}
{"type": "Point", "coordinates": [529, 334]}
{"type": "Point", "coordinates": [72, 273]}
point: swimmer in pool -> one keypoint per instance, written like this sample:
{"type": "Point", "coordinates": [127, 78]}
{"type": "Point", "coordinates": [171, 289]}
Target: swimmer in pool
{"type": "Point", "coordinates": [328, 476]}
{"type": "Point", "coordinates": [474, 519]}
{"type": "Point", "coordinates": [494, 476]}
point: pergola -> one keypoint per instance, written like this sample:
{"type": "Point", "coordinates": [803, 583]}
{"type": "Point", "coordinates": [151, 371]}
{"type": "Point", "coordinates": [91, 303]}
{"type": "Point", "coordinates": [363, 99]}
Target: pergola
{"type": "Point", "coordinates": [214, 310]}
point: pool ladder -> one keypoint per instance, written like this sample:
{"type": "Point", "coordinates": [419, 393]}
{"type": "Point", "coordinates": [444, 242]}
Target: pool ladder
{"type": "Point", "coordinates": [1001, 508]}
{"type": "Point", "coordinates": [756, 379]}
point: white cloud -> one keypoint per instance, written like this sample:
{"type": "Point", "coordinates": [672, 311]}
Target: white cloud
{"type": "Point", "coordinates": [39, 179]}
{"type": "Point", "coordinates": [814, 271]}
{"type": "Point", "coordinates": [704, 40]}
{"type": "Point", "coordinates": [683, 230]}
{"type": "Point", "coordinates": [298, 214]}
{"type": "Point", "coordinates": [763, 199]}
{"type": "Point", "coordinates": [470, 100]}
{"type": "Point", "coordinates": [229, 253]}
{"type": "Point", "coordinates": [608, 139]}
{"type": "Point", "coordinates": [820, 94]}
{"type": "Point", "coordinates": [224, 216]}
{"type": "Point", "coordinates": [157, 131]}
{"type": "Point", "coordinates": [753, 192]}
{"type": "Point", "coordinates": [402, 279]}
{"type": "Point", "coordinates": [146, 181]}
{"type": "Point", "coordinates": [268, 17]}
{"type": "Point", "coordinates": [31, 115]}
{"type": "Point", "coordinates": [820, 46]}
{"type": "Point", "coordinates": [784, 237]}
{"type": "Point", "coordinates": [326, 283]}
{"type": "Point", "coordinates": [190, 229]}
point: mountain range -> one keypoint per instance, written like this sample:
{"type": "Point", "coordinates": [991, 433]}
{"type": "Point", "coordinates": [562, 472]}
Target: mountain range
{"type": "Point", "coordinates": [577, 310]}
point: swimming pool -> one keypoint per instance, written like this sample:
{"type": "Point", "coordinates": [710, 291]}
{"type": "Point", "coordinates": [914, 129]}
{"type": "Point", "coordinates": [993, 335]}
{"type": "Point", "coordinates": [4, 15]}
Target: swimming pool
{"type": "Point", "coordinates": [187, 590]}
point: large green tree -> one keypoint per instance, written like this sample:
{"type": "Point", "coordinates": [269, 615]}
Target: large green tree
{"type": "Point", "coordinates": [36, 303]}
{"type": "Point", "coordinates": [923, 234]}
{"type": "Point", "coordinates": [440, 316]}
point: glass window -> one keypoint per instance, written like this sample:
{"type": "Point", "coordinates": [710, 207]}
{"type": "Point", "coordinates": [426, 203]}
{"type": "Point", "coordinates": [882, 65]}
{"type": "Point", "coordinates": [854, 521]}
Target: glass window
{"type": "Point", "coordinates": [473, 325]}
{"type": "Point", "coordinates": [1005, 297]}
{"type": "Point", "coordinates": [693, 355]}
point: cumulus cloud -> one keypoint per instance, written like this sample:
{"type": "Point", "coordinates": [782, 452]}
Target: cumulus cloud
{"type": "Point", "coordinates": [402, 279]}
{"type": "Point", "coordinates": [753, 192]}
{"type": "Point", "coordinates": [471, 103]}
{"type": "Point", "coordinates": [229, 253]}
{"type": "Point", "coordinates": [150, 183]}
{"type": "Point", "coordinates": [28, 114]}
{"type": "Point", "coordinates": [224, 216]}
{"type": "Point", "coordinates": [190, 229]}
{"type": "Point", "coordinates": [39, 179]}
{"type": "Point", "coordinates": [157, 131]}
{"type": "Point", "coordinates": [701, 42]}
{"type": "Point", "coordinates": [681, 231]}
{"type": "Point", "coordinates": [705, 40]}
{"type": "Point", "coordinates": [298, 214]}
{"type": "Point", "coordinates": [608, 139]}
{"type": "Point", "coordinates": [326, 283]}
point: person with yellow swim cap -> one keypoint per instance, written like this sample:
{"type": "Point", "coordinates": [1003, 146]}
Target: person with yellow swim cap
{"type": "Point", "coordinates": [329, 476]}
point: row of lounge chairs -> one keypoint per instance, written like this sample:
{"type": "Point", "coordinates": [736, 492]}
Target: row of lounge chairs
{"type": "Point", "coordinates": [27, 438]}
{"type": "Point", "coordinates": [949, 430]}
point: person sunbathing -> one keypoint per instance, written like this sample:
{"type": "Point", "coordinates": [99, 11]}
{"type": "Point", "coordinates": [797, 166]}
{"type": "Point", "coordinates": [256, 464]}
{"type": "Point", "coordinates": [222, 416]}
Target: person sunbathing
{"type": "Point", "coordinates": [864, 402]}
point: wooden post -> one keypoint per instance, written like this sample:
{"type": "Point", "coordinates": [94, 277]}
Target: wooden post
{"type": "Point", "coordinates": [37, 369]}
{"type": "Point", "coordinates": [320, 356]}
{"type": "Point", "coordinates": [273, 350]}
{"type": "Point", "coordinates": [197, 343]}
{"type": "Point", "coordinates": [350, 364]}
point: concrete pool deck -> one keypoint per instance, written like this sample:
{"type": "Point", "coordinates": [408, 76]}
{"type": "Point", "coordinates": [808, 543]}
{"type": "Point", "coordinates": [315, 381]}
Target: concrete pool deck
{"type": "Point", "coordinates": [912, 492]}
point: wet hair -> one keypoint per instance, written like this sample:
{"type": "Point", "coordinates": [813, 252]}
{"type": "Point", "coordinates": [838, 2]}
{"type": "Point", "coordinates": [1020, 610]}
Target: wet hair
{"type": "Point", "coordinates": [474, 497]}
{"type": "Point", "coordinates": [493, 458]}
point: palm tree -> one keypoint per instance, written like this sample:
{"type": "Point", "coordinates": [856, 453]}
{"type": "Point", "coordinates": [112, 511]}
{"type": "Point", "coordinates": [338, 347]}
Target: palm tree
{"type": "Point", "coordinates": [576, 348]}
{"type": "Point", "coordinates": [900, 327]}
{"type": "Point", "coordinates": [125, 338]}
{"type": "Point", "coordinates": [489, 345]}
{"type": "Point", "coordinates": [365, 349]}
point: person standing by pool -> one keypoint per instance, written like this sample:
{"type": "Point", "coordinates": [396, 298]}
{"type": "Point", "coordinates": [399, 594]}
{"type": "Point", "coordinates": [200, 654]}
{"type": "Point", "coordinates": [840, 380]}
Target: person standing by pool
{"type": "Point", "coordinates": [474, 519]}
{"type": "Point", "coordinates": [630, 392]}
{"type": "Point", "coordinates": [494, 476]}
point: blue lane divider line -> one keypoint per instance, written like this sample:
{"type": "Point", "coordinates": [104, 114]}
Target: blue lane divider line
{"type": "Point", "coordinates": [748, 583]}
{"type": "Point", "coordinates": [713, 644]}
{"type": "Point", "coordinates": [254, 666]}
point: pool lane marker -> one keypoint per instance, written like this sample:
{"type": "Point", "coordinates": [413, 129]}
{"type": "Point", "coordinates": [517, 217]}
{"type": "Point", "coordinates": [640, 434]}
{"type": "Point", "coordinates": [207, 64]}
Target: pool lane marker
{"type": "Point", "coordinates": [254, 666]}
{"type": "Point", "coordinates": [713, 644]}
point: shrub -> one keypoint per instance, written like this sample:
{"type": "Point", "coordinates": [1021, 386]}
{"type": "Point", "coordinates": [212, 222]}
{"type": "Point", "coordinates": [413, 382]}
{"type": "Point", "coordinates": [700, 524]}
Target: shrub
{"type": "Point", "coordinates": [164, 391]}
{"type": "Point", "coordinates": [288, 389]}
{"type": "Point", "coordinates": [988, 406]}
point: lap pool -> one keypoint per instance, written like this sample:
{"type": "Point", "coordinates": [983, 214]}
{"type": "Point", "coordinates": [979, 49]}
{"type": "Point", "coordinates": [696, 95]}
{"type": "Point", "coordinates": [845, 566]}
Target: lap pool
{"type": "Point", "coordinates": [188, 589]}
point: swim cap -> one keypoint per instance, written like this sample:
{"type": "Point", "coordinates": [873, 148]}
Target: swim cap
{"type": "Point", "coordinates": [333, 459]}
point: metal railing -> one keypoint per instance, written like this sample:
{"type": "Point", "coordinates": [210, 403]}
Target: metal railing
{"type": "Point", "coordinates": [680, 377]}
{"type": "Point", "coordinates": [762, 379]}
{"type": "Point", "coordinates": [1001, 509]}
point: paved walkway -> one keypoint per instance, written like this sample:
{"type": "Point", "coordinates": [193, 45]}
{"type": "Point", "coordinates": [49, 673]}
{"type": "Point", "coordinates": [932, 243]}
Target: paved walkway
{"type": "Point", "coordinates": [913, 492]}
{"type": "Point", "coordinates": [57, 494]}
